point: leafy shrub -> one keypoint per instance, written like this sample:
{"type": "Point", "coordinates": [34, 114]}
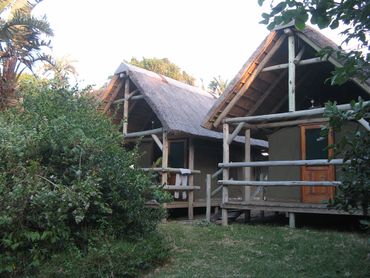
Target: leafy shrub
{"type": "Point", "coordinates": [354, 147]}
{"type": "Point", "coordinates": [64, 176]}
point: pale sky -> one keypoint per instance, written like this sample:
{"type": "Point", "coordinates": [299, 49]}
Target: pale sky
{"type": "Point", "coordinates": [206, 38]}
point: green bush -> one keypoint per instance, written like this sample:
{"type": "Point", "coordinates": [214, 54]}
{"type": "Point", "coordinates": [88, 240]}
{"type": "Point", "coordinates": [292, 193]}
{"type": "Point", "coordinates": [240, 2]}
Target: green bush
{"type": "Point", "coordinates": [65, 176]}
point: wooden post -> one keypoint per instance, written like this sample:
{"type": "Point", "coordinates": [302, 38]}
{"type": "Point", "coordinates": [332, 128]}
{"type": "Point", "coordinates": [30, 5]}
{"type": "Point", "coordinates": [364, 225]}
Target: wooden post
{"type": "Point", "coordinates": [191, 180]}
{"type": "Point", "coordinates": [164, 163]}
{"type": "Point", "coordinates": [125, 106]}
{"type": "Point", "coordinates": [225, 173]}
{"type": "Point", "coordinates": [291, 220]}
{"type": "Point", "coordinates": [247, 216]}
{"type": "Point", "coordinates": [208, 196]}
{"type": "Point", "coordinates": [247, 170]}
{"type": "Point", "coordinates": [291, 70]}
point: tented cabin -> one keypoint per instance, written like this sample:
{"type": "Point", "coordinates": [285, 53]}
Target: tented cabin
{"type": "Point", "coordinates": [165, 116]}
{"type": "Point", "coordinates": [278, 96]}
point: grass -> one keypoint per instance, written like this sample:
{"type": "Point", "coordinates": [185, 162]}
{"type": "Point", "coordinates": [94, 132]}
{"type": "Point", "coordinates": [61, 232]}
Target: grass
{"type": "Point", "coordinates": [262, 251]}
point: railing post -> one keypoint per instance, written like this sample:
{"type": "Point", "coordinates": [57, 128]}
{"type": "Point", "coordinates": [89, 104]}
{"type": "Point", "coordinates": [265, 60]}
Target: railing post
{"type": "Point", "coordinates": [247, 170]}
{"type": "Point", "coordinates": [225, 173]}
{"type": "Point", "coordinates": [164, 177]}
{"type": "Point", "coordinates": [191, 180]}
{"type": "Point", "coordinates": [208, 196]}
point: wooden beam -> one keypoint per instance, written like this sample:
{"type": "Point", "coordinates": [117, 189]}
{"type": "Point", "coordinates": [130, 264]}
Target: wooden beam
{"type": "Point", "coordinates": [137, 97]}
{"type": "Point", "coordinates": [114, 94]}
{"type": "Point", "coordinates": [278, 183]}
{"type": "Point", "coordinates": [257, 104]}
{"type": "Point", "coordinates": [125, 106]}
{"type": "Point", "coordinates": [208, 197]}
{"type": "Point", "coordinates": [129, 97]}
{"type": "Point", "coordinates": [247, 158]}
{"type": "Point", "coordinates": [285, 123]}
{"type": "Point", "coordinates": [249, 81]}
{"type": "Point", "coordinates": [310, 61]}
{"type": "Point", "coordinates": [267, 93]}
{"type": "Point", "coordinates": [215, 174]}
{"type": "Point", "coordinates": [115, 79]}
{"type": "Point", "coordinates": [298, 58]}
{"type": "Point", "coordinates": [225, 172]}
{"type": "Point", "coordinates": [165, 150]}
{"type": "Point", "coordinates": [181, 188]}
{"type": "Point", "coordinates": [361, 84]}
{"type": "Point", "coordinates": [286, 115]}
{"type": "Point", "coordinates": [170, 170]}
{"type": "Point", "coordinates": [291, 220]}
{"type": "Point", "coordinates": [364, 123]}
{"type": "Point", "coordinates": [310, 162]}
{"type": "Point", "coordinates": [218, 189]}
{"type": "Point", "coordinates": [191, 179]}
{"type": "Point", "coordinates": [144, 133]}
{"type": "Point", "coordinates": [291, 70]}
{"type": "Point", "coordinates": [157, 141]}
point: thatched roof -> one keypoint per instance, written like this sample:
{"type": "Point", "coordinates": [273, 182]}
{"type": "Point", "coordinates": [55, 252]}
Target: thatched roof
{"type": "Point", "coordinates": [179, 107]}
{"type": "Point", "coordinates": [244, 95]}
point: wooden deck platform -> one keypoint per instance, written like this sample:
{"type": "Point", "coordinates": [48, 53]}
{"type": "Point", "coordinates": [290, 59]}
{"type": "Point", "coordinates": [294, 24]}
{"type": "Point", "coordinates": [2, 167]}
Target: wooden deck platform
{"type": "Point", "coordinates": [286, 207]}
{"type": "Point", "coordinates": [185, 204]}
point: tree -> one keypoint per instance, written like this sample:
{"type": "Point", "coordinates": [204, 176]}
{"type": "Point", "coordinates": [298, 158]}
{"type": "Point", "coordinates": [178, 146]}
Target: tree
{"type": "Point", "coordinates": [61, 70]}
{"type": "Point", "coordinates": [354, 147]}
{"type": "Point", "coordinates": [66, 181]}
{"type": "Point", "coordinates": [352, 14]}
{"type": "Point", "coordinates": [21, 44]}
{"type": "Point", "coordinates": [165, 67]}
{"type": "Point", "coordinates": [217, 85]}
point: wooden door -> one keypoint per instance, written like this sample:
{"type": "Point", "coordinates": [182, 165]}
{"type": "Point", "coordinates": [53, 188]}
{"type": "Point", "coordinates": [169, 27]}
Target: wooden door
{"type": "Point", "coordinates": [312, 148]}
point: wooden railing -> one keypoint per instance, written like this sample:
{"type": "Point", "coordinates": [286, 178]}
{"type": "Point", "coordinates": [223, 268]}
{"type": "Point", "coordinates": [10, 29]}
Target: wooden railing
{"type": "Point", "coordinates": [313, 162]}
{"type": "Point", "coordinates": [209, 193]}
{"type": "Point", "coordinates": [170, 187]}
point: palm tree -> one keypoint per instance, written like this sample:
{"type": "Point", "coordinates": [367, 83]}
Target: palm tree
{"type": "Point", "coordinates": [21, 44]}
{"type": "Point", "coordinates": [61, 70]}
{"type": "Point", "coordinates": [217, 85]}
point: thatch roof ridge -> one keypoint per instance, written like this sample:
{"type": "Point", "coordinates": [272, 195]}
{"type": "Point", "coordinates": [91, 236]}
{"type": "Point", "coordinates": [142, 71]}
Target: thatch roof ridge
{"type": "Point", "coordinates": [180, 107]}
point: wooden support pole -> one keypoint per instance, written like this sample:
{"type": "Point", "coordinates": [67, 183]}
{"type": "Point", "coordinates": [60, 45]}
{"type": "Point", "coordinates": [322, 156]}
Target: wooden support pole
{"type": "Point", "coordinates": [291, 220]}
{"type": "Point", "coordinates": [125, 106]}
{"type": "Point", "coordinates": [218, 189]}
{"type": "Point", "coordinates": [364, 123]}
{"type": "Point", "coordinates": [144, 133]}
{"type": "Point", "coordinates": [291, 71]}
{"type": "Point", "coordinates": [181, 188]}
{"type": "Point", "coordinates": [164, 177]}
{"type": "Point", "coordinates": [286, 115]}
{"type": "Point", "coordinates": [298, 58]}
{"type": "Point", "coordinates": [164, 157]}
{"type": "Point", "coordinates": [286, 123]}
{"type": "Point", "coordinates": [169, 170]}
{"type": "Point", "coordinates": [225, 173]}
{"type": "Point", "coordinates": [191, 180]}
{"type": "Point", "coordinates": [247, 158]}
{"type": "Point", "coordinates": [208, 196]}
{"type": "Point", "coordinates": [299, 63]}
{"type": "Point", "coordinates": [272, 163]}
{"type": "Point", "coordinates": [157, 141]}
{"type": "Point", "coordinates": [278, 183]}
{"type": "Point", "coordinates": [247, 216]}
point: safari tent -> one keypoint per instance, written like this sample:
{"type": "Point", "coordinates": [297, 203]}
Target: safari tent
{"type": "Point", "coordinates": [165, 116]}
{"type": "Point", "coordinates": [278, 96]}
